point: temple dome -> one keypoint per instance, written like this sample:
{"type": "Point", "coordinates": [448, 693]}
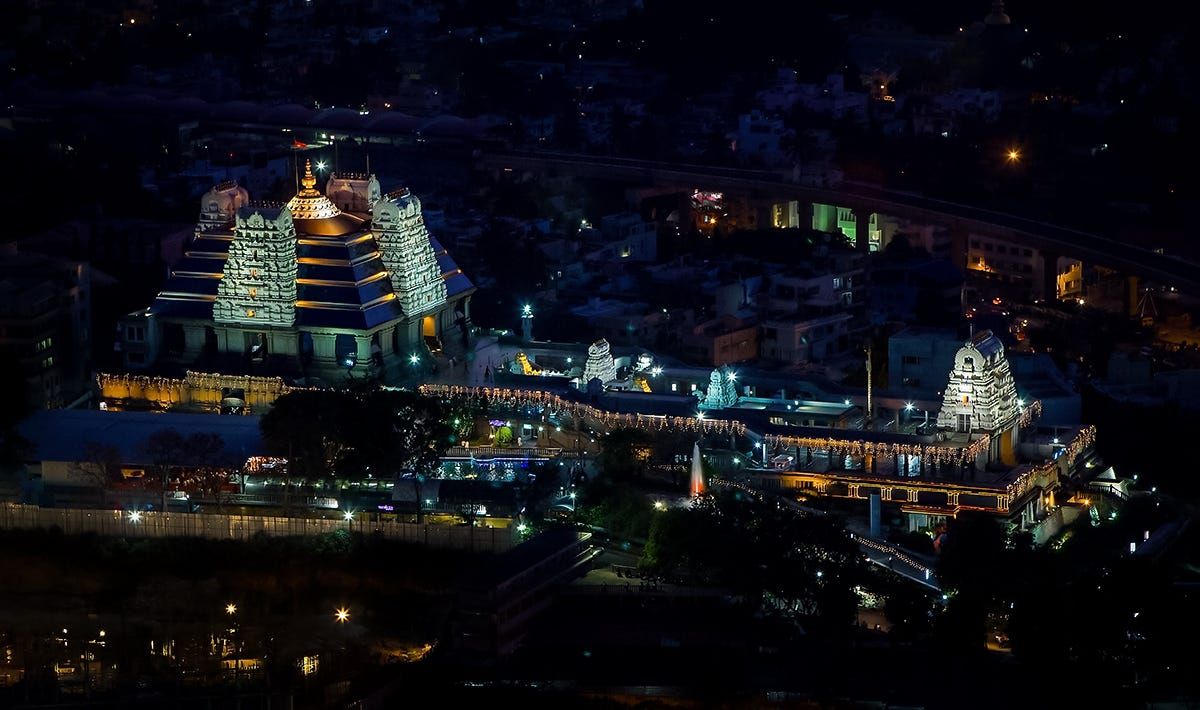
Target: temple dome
{"type": "Point", "coordinates": [315, 213]}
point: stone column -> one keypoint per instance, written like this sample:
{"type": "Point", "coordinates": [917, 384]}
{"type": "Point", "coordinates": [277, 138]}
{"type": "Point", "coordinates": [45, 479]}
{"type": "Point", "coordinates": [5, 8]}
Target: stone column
{"type": "Point", "coordinates": [324, 347]}
{"type": "Point", "coordinates": [362, 346]}
{"type": "Point", "coordinates": [193, 339]}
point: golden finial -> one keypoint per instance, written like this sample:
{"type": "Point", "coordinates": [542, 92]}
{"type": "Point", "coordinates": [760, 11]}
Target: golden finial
{"type": "Point", "coordinates": [308, 181]}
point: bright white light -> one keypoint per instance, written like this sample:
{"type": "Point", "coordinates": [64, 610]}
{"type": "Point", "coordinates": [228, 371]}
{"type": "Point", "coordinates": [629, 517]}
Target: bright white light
{"type": "Point", "coordinates": [846, 402]}
{"type": "Point", "coordinates": [320, 165]}
{"type": "Point", "coordinates": [348, 515]}
{"type": "Point", "coordinates": [527, 310]}
{"type": "Point", "coordinates": [342, 615]}
{"type": "Point", "coordinates": [231, 608]}
{"type": "Point", "coordinates": [522, 527]}
{"type": "Point", "coordinates": [1020, 403]}
{"type": "Point", "coordinates": [656, 371]}
{"type": "Point", "coordinates": [135, 516]}
{"type": "Point", "coordinates": [700, 416]}
{"type": "Point", "coordinates": [908, 406]}
{"type": "Point", "coordinates": [414, 358]}
{"type": "Point", "coordinates": [732, 376]}
{"type": "Point", "coordinates": [659, 505]}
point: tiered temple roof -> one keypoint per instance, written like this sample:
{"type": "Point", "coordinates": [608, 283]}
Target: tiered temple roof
{"type": "Point", "coordinates": [341, 280]}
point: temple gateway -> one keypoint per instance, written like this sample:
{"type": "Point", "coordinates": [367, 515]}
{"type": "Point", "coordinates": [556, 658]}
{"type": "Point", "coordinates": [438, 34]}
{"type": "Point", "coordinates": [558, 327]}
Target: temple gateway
{"type": "Point", "coordinates": [343, 283]}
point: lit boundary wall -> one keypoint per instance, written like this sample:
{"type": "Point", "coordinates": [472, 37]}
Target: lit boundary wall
{"type": "Point", "coordinates": [196, 390]}
{"type": "Point", "coordinates": [512, 397]}
{"type": "Point", "coordinates": [217, 526]}
{"type": "Point", "coordinates": [204, 391]}
{"type": "Point", "coordinates": [859, 486]}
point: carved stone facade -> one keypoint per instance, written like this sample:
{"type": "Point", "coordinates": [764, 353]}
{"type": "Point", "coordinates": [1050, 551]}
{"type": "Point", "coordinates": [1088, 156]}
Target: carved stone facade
{"type": "Point", "coordinates": [220, 205]}
{"type": "Point", "coordinates": [407, 254]}
{"type": "Point", "coordinates": [353, 192]}
{"type": "Point", "coordinates": [600, 364]}
{"type": "Point", "coordinates": [259, 282]}
{"type": "Point", "coordinates": [981, 394]}
{"type": "Point", "coordinates": [338, 283]}
{"type": "Point", "coordinates": [722, 390]}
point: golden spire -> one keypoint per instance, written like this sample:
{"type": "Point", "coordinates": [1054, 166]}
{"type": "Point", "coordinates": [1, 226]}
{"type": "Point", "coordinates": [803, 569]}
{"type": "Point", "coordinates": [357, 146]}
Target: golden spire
{"type": "Point", "coordinates": [308, 181]}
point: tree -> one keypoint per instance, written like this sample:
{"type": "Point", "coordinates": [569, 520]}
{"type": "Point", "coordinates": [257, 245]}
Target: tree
{"type": "Point", "coordinates": [783, 562]}
{"type": "Point", "coordinates": [308, 429]}
{"type": "Point", "coordinates": [625, 454]}
{"type": "Point", "coordinates": [401, 433]}
{"type": "Point", "coordinates": [99, 467]}
{"type": "Point", "coordinates": [165, 449]}
{"type": "Point", "coordinates": [204, 453]}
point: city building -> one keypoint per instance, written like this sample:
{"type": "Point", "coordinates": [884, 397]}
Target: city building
{"type": "Point", "coordinates": [342, 283]}
{"type": "Point", "coordinates": [498, 606]}
{"type": "Point", "coordinates": [46, 326]}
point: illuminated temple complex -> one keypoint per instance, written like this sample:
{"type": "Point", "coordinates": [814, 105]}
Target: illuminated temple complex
{"type": "Point", "coordinates": [345, 282]}
{"type": "Point", "coordinates": [986, 453]}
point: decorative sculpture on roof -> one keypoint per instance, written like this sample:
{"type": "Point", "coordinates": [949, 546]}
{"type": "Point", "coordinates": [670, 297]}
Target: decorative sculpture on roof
{"type": "Point", "coordinates": [981, 394]}
{"type": "Point", "coordinates": [407, 253]}
{"type": "Point", "coordinates": [259, 282]}
{"type": "Point", "coordinates": [600, 364]}
{"type": "Point", "coordinates": [220, 204]}
{"type": "Point", "coordinates": [722, 389]}
{"type": "Point", "coordinates": [353, 192]}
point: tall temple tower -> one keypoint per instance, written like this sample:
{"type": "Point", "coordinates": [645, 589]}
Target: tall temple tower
{"type": "Point", "coordinates": [259, 283]}
{"type": "Point", "coordinates": [981, 396]}
{"type": "Point", "coordinates": [345, 283]}
{"type": "Point", "coordinates": [407, 253]}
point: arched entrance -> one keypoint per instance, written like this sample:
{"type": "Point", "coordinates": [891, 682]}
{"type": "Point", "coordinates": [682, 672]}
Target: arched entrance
{"type": "Point", "coordinates": [429, 333]}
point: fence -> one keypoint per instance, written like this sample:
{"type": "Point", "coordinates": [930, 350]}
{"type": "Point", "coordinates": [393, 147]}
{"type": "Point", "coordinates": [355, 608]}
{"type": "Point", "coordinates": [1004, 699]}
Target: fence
{"type": "Point", "coordinates": [242, 527]}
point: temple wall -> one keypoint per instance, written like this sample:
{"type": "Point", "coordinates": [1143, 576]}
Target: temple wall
{"type": "Point", "coordinates": [196, 391]}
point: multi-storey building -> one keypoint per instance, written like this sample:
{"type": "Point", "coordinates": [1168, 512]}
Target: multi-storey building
{"type": "Point", "coordinates": [45, 326]}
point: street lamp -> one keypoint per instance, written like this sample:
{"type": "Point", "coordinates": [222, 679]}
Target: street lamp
{"type": "Point", "coordinates": [659, 505]}
{"type": "Point", "coordinates": [342, 615]}
{"type": "Point", "coordinates": [135, 516]}
{"type": "Point", "coordinates": [908, 406]}
{"type": "Point", "coordinates": [320, 166]}
{"type": "Point", "coordinates": [231, 608]}
{"type": "Point", "coordinates": [414, 358]}
{"type": "Point", "coordinates": [348, 515]}
{"type": "Point", "coordinates": [1013, 155]}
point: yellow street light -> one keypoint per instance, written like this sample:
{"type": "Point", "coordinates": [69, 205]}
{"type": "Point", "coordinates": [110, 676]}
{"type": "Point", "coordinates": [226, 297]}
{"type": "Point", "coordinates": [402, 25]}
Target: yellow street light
{"type": "Point", "coordinates": [1013, 155]}
{"type": "Point", "coordinates": [342, 615]}
{"type": "Point", "coordinates": [231, 608]}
